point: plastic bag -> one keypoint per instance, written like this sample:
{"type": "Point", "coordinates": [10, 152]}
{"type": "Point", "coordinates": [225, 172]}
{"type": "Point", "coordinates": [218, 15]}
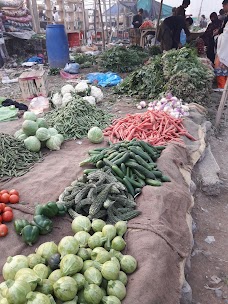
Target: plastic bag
{"type": "Point", "coordinates": [104, 79]}
{"type": "Point", "coordinates": [39, 104]}
{"type": "Point", "coordinates": [72, 68]}
{"type": "Point", "coordinates": [183, 37]}
{"type": "Point", "coordinates": [66, 75]}
{"type": "Point", "coordinates": [8, 113]}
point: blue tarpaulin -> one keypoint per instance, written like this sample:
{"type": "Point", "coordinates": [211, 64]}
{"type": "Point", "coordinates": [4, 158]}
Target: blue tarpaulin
{"type": "Point", "coordinates": [150, 7]}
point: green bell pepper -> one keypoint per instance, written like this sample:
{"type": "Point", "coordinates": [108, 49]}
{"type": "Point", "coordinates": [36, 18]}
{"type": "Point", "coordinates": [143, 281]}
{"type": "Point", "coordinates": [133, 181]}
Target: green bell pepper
{"type": "Point", "coordinates": [38, 209]}
{"type": "Point", "coordinates": [62, 209]}
{"type": "Point", "coordinates": [30, 234]}
{"type": "Point", "coordinates": [19, 225]}
{"type": "Point", "coordinates": [50, 209]}
{"type": "Point", "coordinates": [44, 224]}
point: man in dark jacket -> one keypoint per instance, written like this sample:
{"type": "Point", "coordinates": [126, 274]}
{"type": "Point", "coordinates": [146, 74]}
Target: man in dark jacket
{"type": "Point", "coordinates": [225, 8]}
{"type": "Point", "coordinates": [180, 11]}
{"type": "Point", "coordinates": [169, 34]}
{"type": "Point", "coordinates": [138, 19]}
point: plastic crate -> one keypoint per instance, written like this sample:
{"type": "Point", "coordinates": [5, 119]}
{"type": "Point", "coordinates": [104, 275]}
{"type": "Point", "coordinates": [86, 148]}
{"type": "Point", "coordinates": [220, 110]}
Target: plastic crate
{"type": "Point", "coordinates": [74, 39]}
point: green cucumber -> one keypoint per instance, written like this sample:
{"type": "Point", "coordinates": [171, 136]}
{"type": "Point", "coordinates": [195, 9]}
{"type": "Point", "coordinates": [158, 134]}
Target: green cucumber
{"type": "Point", "coordinates": [99, 149]}
{"type": "Point", "coordinates": [134, 183]}
{"type": "Point", "coordinates": [165, 178]}
{"type": "Point", "coordinates": [122, 159]}
{"type": "Point", "coordinates": [128, 172]}
{"type": "Point", "coordinates": [138, 151]}
{"type": "Point", "coordinates": [111, 156]}
{"type": "Point", "coordinates": [123, 168]}
{"type": "Point", "coordinates": [108, 162]}
{"type": "Point", "coordinates": [117, 171]}
{"type": "Point", "coordinates": [141, 169]}
{"type": "Point", "coordinates": [139, 174]}
{"type": "Point", "coordinates": [87, 171]}
{"type": "Point", "coordinates": [142, 162]}
{"type": "Point", "coordinates": [160, 148]}
{"type": "Point", "coordinates": [129, 186]}
{"type": "Point", "coordinates": [100, 164]}
{"type": "Point", "coordinates": [157, 173]}
{"type": "Point", "coordinates": [141, 181]}
{"type": "Point", "coordinates": [153, 182]}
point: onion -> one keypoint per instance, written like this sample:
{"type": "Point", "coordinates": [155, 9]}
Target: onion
{"type": "Point", "coordinates": [142, 104]}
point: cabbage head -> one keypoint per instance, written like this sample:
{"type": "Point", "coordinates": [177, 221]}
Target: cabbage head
{"type": "Point", "coordinates": [95, 135]}
{"type": "Point", "coordinates": [32, 144]}
{"type": "Point", "coordinates": [12, 265]}
{"type": "Point", "coordinates": [29, 116]}
{"type": "Point", "coordinates": [29, 127]}
{"type": "Point", "coordinates": [42, 134]}
{"type": "Point", "coordinates": [65, 289]}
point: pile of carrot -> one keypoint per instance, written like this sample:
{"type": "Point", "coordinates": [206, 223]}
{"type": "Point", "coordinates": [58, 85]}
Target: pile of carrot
{"type": "Point", "coordinates": [155, 127]}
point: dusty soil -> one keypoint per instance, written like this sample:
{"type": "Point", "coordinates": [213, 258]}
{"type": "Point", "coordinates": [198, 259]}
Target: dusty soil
{"type": "Point", "coordinates": [209, 213]}
{"type": "Point", "coordinates": [210, 216]}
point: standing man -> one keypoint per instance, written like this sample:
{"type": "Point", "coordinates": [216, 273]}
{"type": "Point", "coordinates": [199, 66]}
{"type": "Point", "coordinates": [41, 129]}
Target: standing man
{"type": "Point", "coordinates": [138, 19]}
{"type": "Point", "coordinates": [181, 10]}
{"type": "Point", "coordinates": [169, 34]}
{"type": "Point", "coordinates": [203, 22]}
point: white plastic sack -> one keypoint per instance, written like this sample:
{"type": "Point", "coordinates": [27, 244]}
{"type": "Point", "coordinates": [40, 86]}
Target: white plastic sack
{"type": "Point", "coordinates": [39, 104]}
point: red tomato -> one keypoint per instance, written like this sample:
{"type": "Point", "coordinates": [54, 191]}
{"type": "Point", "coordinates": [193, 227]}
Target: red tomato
{"type": "Point", "coordinates": [7, 216]}
{"type": "Point", "coordinates": [4, 191]}
{"type": "Point", "coordinates": [2, 207]}
{"type": "Point", "coordinates": [13, 191]}
{"type": "Point", "coordinates": [3, 230]}
{"type": "Point", "coordinates": [14, 199]}
{"type": "Point", "coordinates": [8, 209]}
{"type": "Point", "coordinates": [5, 198]}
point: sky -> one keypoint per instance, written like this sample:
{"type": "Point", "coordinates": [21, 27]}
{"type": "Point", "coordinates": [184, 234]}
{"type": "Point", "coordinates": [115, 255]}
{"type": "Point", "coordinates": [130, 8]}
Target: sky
{"type": "Point", "coordinates": [208, 6]}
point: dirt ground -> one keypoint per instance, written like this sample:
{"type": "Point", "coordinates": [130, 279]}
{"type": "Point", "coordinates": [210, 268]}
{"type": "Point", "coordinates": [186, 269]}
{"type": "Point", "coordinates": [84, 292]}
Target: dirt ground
{"type": "Point", "coordinates": [209, 213]}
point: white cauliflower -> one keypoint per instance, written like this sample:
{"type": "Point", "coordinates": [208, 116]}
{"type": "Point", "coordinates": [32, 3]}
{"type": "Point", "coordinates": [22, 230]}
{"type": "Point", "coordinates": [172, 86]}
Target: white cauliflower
{"type": "Point", "coordinates": [90, 99]}
{"type": "Point", "coordinates": [97, 93]}
{"type": "Point", "coordinates": [67, 97]}
{"type": "Point", "coordinates": [82, 88]}
{"type": "Point", "coordinates": [57, 100]}
{"type": "Point", "coordinates": [67, 89]}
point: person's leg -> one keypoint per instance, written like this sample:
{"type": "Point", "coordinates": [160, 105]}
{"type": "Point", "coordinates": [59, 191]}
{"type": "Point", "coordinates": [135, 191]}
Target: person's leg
{"type": "Point", "coordinates": [221, 80]}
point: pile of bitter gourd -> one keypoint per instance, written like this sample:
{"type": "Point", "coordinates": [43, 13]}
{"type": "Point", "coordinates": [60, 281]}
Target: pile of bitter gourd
{"type": "Point", "coordinates": [99, 195]}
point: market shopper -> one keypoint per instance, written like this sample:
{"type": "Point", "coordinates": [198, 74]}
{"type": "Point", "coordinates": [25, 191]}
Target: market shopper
{"type": "Point", "coordinates": [222, 15]}
{"type": "Point", "coordinates": [181, 10]}
{"type": "Point", "coordinates": [138, 19]}
{"type": "Point", "coordinates": [208, 35]}
{"type": "Point", "coordinates": [170, 30]}
{"type": "Point", "coordinates": [221, 60]}
{"type": "Point", "coordinates": [203, 22]}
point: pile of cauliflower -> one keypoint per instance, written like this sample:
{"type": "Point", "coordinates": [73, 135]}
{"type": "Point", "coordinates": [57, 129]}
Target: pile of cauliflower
{"type": "Point", "coordinates": [91, 94]}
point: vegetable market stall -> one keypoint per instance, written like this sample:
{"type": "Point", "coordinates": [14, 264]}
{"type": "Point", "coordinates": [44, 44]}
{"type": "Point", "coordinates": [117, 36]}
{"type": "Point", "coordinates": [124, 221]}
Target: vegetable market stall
{"type": "Point", "coordinates": [160, 238]}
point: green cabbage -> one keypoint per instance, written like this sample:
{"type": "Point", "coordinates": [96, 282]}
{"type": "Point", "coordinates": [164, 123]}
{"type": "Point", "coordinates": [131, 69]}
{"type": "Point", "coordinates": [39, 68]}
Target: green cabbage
{"type": "Point", "coordinates": [3, 289]}
{"type": "Point", "coordinates": [122, 277]}
{"type": "Point", "coordinates": [47, 249]}
{"type": "Point", "coordinates": [54, 143]}
{"type": "Point", "coordinates": [84, 254]}
{"type": "Point", "coordinates": [29, 116]}
{"type": "Point", "coordinates": [55, 276]}
{"type": "Point", "coordinates": [34, 259]}
{"type": "Point", "coordinates": [17, 291]}
{"type": "Point", "coordinates": [86, 265]}
{"type": "Point", "coordinates": [81, 223]}
{"type": "Point", "coordinates": [22, 137]}
{"type": "Point", "coordinates": [68, 245]}
{"type": "Point", "coordinates": [60, 137]}
{"type": "Point", "coordinates": [42, 134]}
{"type": "Point", "coordinates": [82, 238]}
{"type": "Point", "coordinates": [118, 243]}
{"type": "Point", "coordinates": [45, 287]}
{"type": "Point", "coordinates": [71, 264]}
{"type": "Point", "coordinates": [109, 270]}
{"type": "Point", "coordinates": [93, 294]}
{"type": "Point", "coordinates": [37, 298]}
{"type": "Point", "coordinates": [96, 240]}
{"type": "Point", "coordinates": [121, 228]}
{"type": "Point", "coordinates": [32, 144]}
{"type": "Point", "coordinates": [29, 127]}
{"type": "Point", "coordinates": [95, 135]}
{"type": "Point", "coordinates": [42, 123]}
{"type": "Point", "coordinates": [42, 271]}
{"type": "Point", "coordinates": [97, 225]}
{"type": "Point", "coordinates": [111, 300]}
{"type": "Point", "coordinates": [93, 276]}
{"type": "Point", "coordinates": [28, 275]}
{"type": "Point", "coordinates": [53, 131]}
{"type": "Point", "coordinates": [80, 280]}
{"type": "Point", "coordinates": [65, 289]}
{"type": "Point", "coordinates": [18, 133]}
{"type": "Point", "coordinates": [12, 265]}
{"type": "Point", "coordinates": [117, 289]}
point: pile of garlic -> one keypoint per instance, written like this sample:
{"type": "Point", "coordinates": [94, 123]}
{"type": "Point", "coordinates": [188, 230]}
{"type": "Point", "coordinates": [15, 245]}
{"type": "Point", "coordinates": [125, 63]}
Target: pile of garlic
{"type": "Point", "coordinates": [169, 104]}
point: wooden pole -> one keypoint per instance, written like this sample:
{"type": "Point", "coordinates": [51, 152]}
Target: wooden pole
{"type": "Point", "coordinates": [159, 18]}
{"type": "Point", "coordinates": [222, 104]}
{"type": "Point", "coordinates": [110, 14]}
{"type": "Point", "coordinates": [35, 16]}
{"type": "Point", "coordinates": [118, 18]}
{"type": "Point", "coordinates": [106, 18]}
{"type": "Point", "coordinates": [95, 19]}
{"type": "Point", "coordinates": [84, 22]}
{"type": "Point", "coordinates": [102, 26]}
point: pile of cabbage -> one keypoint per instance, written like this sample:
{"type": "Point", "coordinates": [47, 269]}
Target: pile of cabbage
{"type": "Point", "coordinates": [36, 134]}
{"type": "Point", "coordinates": [86, 268]}
{"type": "Point", "coordinates": [91, 94]}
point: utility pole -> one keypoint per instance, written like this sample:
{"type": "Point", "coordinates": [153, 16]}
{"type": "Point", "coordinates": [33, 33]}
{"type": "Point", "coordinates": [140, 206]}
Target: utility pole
{"type": "Point", "coordinates": [102, 25]}
{"type": "Point", "coordinates": [201, 5]}
{"type": "Point", "coordinates": [159, 18]}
